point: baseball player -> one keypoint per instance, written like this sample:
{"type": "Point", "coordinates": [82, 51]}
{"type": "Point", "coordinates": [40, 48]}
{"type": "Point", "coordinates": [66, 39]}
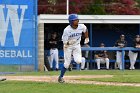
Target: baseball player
{"type": "Point", "coordinates": [53, 43]}
{"type": "Point", "coordinates": [120, 43]}
{"type": "Point", "coordinates": [101, 57]}
{"type": "Point", "coordinates": [71, 43]}
{"type": "Point", "coordinates": [133, 54]}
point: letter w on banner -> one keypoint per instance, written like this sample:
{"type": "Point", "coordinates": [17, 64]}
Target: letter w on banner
{"type": "Point", "coordinates": [18, 31]}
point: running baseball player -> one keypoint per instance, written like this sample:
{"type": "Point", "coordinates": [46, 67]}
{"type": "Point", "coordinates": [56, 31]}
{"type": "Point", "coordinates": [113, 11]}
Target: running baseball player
{"type": "Point", "coordinates": [134, 54]}
{"type": "Point", "coordinates": [120, 43]}
{"type": "Point", "coordinates": [71, 43]}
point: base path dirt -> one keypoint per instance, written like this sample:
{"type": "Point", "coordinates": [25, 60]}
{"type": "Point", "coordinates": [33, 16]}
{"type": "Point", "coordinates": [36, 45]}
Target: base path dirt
{"type": "Point", "coordinates": [70, 79]}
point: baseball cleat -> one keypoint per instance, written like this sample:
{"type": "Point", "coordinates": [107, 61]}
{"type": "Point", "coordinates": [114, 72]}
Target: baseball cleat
{"type": "Point", "coordinates": [61, 80]}
{"type": "Point", "coordinates": [2, 79]}
{"type": "Point", "coordinates": [56, 69]}
{"type": "Point", "coordinates": [82, 69]}
{"type": "Point", "coordinates": [70, 67]}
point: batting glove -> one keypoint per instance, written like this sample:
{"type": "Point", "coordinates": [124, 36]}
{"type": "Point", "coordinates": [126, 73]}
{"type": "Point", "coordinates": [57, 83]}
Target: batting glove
{"type": "Point", "coordinates": [86, 40]}
{"type": "Point", "coordinates": [65, 45]}
{"type": "Point", "coordinates": [71, 42]}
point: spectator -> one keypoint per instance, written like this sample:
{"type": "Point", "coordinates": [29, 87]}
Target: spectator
{"type": "Point", "coordinates": [101, 57]}
{"type": "Point", "coordinates": [134, 54]}
{"type": "Point", "coordinates": [120, 43]}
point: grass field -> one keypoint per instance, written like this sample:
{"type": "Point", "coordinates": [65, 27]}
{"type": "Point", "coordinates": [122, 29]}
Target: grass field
{"type": "Point", "coordinates": [44, 87]}
{"type": "Point", "coordinates": [85, 72]}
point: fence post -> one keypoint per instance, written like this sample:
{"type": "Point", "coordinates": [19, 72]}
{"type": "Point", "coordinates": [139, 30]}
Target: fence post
{"type": "Point", "coordinates": [123, 61]}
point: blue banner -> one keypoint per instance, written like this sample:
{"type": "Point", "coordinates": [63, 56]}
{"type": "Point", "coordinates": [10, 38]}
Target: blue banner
{"type": "Point", "coordinates": [18, 31]}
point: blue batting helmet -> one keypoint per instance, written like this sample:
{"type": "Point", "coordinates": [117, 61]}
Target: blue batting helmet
{"type": "Point", "coordinates": [72, 17]}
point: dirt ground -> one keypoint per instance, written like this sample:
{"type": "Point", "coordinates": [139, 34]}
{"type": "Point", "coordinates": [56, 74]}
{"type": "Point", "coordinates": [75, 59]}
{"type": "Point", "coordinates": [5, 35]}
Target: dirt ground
{"type": "Point", "coordinates": [69, 79]}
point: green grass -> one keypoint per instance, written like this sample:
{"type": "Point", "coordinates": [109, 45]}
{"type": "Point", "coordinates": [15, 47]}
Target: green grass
{"type": "Point", "coordinates": [118, 78]}
{"type": "Point", "coordinates": [127, 76]}
{"type": "Point", "coordinates": [43, 87]}
{"type": "Point", "coordinates": [86, 72]}
{"type": "Point", "coordinates": [130, 76]}
{"type": "Point", "coordinates": [38, 87]}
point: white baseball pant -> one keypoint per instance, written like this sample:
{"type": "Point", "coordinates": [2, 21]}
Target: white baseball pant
{"type": "Point", "coordinates": [133, 58]}
{"type": "Point", "coordinates": [72, 50]}
{"type": "Point", "coordinates": [102, 61]}
{"type": "Point", "coordinates": [83, 63]}
{"type": "Point", "coordinates": [119, 59]}
{"type": "Point", "coordinates": [54, 57]}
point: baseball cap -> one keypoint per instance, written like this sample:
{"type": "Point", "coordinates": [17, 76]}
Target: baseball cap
{"type": "Point", "coordinates": [102, 44]}
{"type": "Point", "coordinates": [122, 35]}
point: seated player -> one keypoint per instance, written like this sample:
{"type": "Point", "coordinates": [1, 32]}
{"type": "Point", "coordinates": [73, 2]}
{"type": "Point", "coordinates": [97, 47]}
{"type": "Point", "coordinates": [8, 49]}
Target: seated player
{"type": "Point", "coordinates": [101, 57]}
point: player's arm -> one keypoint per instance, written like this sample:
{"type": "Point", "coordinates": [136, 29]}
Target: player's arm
{"type": "Point", "coordinates": [86, 34]}
{"type": "Point", "coordinates": [97, 56]}
{"type": "Point", "coordinates": [105, 54]}
{"type": "Point", "coordinates": [116, 44]}
{"type": "Point", "coordinates": [65, 39]}
{"type": "Point", "coordinates": [86, 37]}
{"type": "Point", "coordinates": [125, 43]}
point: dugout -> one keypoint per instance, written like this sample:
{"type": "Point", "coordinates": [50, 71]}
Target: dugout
{"type": "Point", "coordinates": [102, 28]}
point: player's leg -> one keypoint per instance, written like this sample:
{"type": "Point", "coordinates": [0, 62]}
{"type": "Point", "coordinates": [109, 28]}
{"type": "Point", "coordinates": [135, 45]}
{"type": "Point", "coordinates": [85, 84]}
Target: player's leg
{"type": "Point", "coordinates": [83, 63]}
{"type": "Point", "coordinates": [135, 58]}
{"type": "Point", "coordinates": [132, 57]}
{"type": "Point", "coordinates": [56, 59]}
{"type": "Point", "coordinates": [121, 60]}
{"type": "Point", "coordinates": [130, 54]}
{"type": "Point", "coordinates": [107, 63]}
{"type": "Point", "coordinates": [51, 58]}
{"type": "Point", "coordinates": [118, 59]}
{"type": "Point", "coordinates": [120, 63]}
{"type": "Point", "coordinates": [98, 60]}
{"type": "Point", "coordinates": [77, 54]}
{"type": "Point", "coordinates": [67, 60]}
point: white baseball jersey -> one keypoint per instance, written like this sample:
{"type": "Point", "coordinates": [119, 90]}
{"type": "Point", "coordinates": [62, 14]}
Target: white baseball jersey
{"type": "Point", "coordinates": [73, 35]}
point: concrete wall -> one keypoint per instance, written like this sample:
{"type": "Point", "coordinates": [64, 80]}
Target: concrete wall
{"type": "Point", "coordinates": [41, 47]}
